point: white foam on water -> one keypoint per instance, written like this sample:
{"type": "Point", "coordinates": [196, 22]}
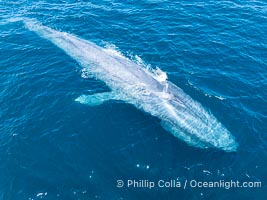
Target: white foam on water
{"type": "Point", "coordinates": [86, 73]}
{"type": "Point", "coordinates": [158, 74]}
{"type": "Point", "coordinates": [113, 50]}
{"type": "Point", "coordinates": [219, 97]}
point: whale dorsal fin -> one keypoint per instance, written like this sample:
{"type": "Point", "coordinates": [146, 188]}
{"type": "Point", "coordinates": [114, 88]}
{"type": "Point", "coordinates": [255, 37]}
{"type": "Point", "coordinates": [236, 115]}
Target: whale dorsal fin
{"type": "Point", "coordinates": [96, 99]}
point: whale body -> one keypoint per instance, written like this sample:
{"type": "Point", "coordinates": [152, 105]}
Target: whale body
{"type": "Point", "coordinates": [147, 90]}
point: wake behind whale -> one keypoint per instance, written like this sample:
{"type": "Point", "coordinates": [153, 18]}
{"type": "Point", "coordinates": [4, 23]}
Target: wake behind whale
{"type": "Point", "coordinates": [147, 90]}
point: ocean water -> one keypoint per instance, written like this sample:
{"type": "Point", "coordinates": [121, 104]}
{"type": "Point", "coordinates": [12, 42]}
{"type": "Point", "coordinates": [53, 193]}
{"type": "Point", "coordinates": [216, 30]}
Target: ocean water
{"type": "Point", "coordinates": [52, 147]}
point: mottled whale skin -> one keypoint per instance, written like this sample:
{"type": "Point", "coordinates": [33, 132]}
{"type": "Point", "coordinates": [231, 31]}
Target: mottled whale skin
{"type": "Point", "coordinates": [147, 90]}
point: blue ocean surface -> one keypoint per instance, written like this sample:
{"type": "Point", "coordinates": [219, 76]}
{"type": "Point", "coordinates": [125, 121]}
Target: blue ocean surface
{"type": "Point", "coordinates": [52, 147]}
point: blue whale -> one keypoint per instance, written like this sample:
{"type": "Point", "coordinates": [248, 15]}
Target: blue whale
{"type": "Point", "coordinates": [147, 90]}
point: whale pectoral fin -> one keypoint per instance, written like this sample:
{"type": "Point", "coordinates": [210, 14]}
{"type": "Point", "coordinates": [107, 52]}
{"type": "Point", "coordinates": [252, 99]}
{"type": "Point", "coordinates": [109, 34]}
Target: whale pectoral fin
{"type": "Point", "coordinates": [96, 99]}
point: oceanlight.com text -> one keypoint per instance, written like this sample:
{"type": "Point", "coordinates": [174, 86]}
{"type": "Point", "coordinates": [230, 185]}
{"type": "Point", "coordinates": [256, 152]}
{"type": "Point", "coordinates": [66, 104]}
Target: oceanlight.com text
{"type": "Point", "coordinates": [183, 184]}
